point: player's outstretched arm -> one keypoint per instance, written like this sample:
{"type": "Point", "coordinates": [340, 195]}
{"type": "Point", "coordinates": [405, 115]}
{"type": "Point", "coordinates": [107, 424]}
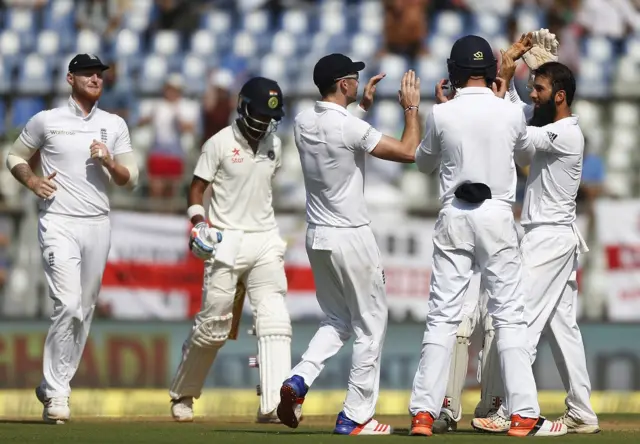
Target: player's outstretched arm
{"type": "Point", "coordinates": [404, 150]}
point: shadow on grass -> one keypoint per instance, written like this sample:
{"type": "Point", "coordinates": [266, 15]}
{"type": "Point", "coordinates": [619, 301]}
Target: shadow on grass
{"type": "Point", "coordinates": [24, 421]}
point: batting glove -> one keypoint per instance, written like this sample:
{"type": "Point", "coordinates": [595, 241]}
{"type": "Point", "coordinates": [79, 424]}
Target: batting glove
{"type": "Point", "coordinates": [545, 49]}
{"type": "Point", "coordinates": [203, 241]}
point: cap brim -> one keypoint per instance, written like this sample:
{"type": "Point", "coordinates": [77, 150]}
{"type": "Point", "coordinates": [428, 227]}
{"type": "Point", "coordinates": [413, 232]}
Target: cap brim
{"type": "Point", "coordinates": [358, 66]}
{"type": "Point", "coordinates": [100, 66]}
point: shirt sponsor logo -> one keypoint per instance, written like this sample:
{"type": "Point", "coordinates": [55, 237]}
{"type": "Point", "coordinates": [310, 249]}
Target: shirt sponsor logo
{"type": "Point", "coordinates": [236, 156]}
{"type": "Point", "coordinates": [367, 134]}
{"type": "Point", "coordinates": [271, 155]}
{"type": "Point", "coordinates": [62, 133]}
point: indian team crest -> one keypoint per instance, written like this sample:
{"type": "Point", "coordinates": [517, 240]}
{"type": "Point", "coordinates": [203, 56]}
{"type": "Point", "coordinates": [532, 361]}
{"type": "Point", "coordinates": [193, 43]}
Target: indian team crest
{"type": "Point", "coordinates": [273, 100]}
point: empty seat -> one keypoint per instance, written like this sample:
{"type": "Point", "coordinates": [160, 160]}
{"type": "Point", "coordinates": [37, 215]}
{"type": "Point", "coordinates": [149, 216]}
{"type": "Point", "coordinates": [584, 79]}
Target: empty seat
{"type": "Point", "coordinates": [166, 43]}
{"type": "Point", "coordinates": [449, 23]}
{"type": "Point", "coordinates": [34, 75]}
{"type": "Point", "coordinates": [295, 21]}
{"type": "Point", "coordinates": [48, 43]}
{"type": "Point", "coordinates": [88, 42]}
{"type": "Point", "coordinates": [219, 22]}
{"type": "Point", "coordinates": [203, 43]}
{"type": "Point", "coordinates": [152, 74]}
{"type": "Point", "coordinates": [599, 49]}
{"type": "Point", "coordinates": [194, 72]}
{"type": "Point", "coordinates": [244, 45]}
{"type": "Point", "coordinates": [256, 22]}
{"type": "Point", "coordinates": [625, 114]}
{"type": "Point", "coordinates": [284, 44]}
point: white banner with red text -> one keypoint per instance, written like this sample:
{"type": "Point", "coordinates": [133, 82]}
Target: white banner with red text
{"type": "Point", "coordinates": [618, 232]}
{"type": "Point", "coordinates": [152, 275]}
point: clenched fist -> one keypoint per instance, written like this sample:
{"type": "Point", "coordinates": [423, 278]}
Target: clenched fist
{"type": "Point", "coordinates": [100, 151]}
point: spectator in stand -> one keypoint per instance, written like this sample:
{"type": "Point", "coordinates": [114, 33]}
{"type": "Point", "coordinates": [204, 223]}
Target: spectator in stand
{"type": "Point", "coordinates": [609, 18]}
{"type": "Point", "coordinates": [561, 22]}
{"type": "Point", "coordinates": [116, 97]}
{"type": "Point", "coordinates": [176, 15]}
{"type": "Point", "coordinates": [405, 28]}
{"type": "Point", "coordinates": [101, 16]}
{"type": "Point", "coordinates": [218, 103]}
{"type": "Point", "coordinates": [173, 118]}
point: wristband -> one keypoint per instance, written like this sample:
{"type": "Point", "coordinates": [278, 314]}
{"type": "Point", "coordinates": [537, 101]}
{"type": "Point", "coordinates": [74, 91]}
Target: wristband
{"type": "Point", "coordinates": [195, 210]}
{"type": "Point", "coordinates": [410, 107]}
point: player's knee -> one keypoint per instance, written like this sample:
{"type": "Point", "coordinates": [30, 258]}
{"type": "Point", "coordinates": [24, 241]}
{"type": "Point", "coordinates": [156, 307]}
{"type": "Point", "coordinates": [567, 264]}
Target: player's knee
{"type": "Point", "coordinates": [344, 331]}
{"type": "Point", "coordinates": [68, 306]}
{"type": "Point", "coordinates": [212, 332]}
{"type": "Point", "coordinates": [272, 316]}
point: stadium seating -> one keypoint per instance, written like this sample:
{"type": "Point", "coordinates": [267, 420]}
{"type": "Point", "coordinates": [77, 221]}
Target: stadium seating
{"type": "Point", "coordinates": [35, 48]}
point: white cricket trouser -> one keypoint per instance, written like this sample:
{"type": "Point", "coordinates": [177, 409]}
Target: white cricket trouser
{"type": "Point", "coordinates": [259, 265]}
{"type": "Point", "coordinates": [486, 235]}
{"type": "Point", "coordinates": [74, 254]}
{"type": "Point", "coordinates": [350, 289]}
{"type": "Point", "coordinates": [550, 259]}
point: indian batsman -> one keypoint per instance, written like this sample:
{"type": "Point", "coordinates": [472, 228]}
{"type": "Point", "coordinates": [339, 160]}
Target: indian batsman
{"type": "Point", "coordinates": [238, 237]}
{"type": "Point", "coordinates": [474, 139]}
{"type": "Point", "coordinates": [551, 243]}
{"type": "Point", "coordinates": [82, 149]}
{"type": "Point", "coordinates": [342, 250]}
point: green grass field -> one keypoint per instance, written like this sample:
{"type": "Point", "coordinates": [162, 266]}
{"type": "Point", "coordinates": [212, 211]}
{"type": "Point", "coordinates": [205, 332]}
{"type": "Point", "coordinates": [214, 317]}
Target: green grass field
{"type": "Point", "coordinates": [314, 430]}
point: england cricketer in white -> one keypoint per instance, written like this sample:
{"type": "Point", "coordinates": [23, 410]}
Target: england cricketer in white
{"type": "Point", "coordinates": [474, 139]}
{"type": "Point", "coordinates": [552, 242]}
{"type": "Point", "coordinates": [342, 250]}
{"type": "Point", "coordinates": [82, 148]}
{"type": "Point", "coordinates": [238, 237]}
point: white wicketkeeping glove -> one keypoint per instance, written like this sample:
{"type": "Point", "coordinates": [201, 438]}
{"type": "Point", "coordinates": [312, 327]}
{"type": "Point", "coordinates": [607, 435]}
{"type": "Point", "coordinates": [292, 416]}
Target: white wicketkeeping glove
{"type": "Point", "coordinates": [545, 49]}
{"type": "Point", "coordinates": [204, 240]}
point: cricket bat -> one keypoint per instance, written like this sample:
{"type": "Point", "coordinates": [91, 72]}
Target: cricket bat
{"type": "Point", "coordinates": [238, 304]}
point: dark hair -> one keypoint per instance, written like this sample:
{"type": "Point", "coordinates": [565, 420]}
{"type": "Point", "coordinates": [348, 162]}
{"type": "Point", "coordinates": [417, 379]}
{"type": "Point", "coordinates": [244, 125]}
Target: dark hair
{"type": "Point", "coordinates": [560, 77]}
{"type": "Point", "coordinates": [326, 90]}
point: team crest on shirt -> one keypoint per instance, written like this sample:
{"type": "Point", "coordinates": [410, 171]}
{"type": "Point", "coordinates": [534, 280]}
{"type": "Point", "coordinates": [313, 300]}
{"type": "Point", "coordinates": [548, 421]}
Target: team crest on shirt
{"type": "Point", "coordinates": [103, 135]}
{"type": "Point", "coordinates": [51, 259]}
{"type": "Point", "coordinates": [271, 155]}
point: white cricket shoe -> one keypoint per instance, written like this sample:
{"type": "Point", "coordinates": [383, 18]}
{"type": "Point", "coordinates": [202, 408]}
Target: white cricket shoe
{"type": "Point", "coordinates": [56, 410]}
{"type": "Point", "coordinates": [493, 423]}
{"type": "Point", "coordinates": [182, 409]}
{"type": "Point", "coordinates": [577, 425]}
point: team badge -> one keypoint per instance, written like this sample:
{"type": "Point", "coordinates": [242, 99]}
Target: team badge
{"type": "Point", "coordinates": [271, 155]}
{"type": "Point", "coordinates": [51, 259]}
{"type": "Point", "coordinates": [103, 135]}
{"type": "Point", "coordinates": [273, 102]}
{"type": "Point", "coordinates": [478, 56]}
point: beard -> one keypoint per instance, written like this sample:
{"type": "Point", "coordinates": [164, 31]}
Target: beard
{"type": "Point", "coordinates": [544, 114]}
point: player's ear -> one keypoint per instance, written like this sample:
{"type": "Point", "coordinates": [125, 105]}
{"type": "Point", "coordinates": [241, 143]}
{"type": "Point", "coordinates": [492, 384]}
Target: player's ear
{"type": "Point", "coordinates": [70, 78]}
{"type": "Point", "coordinates": [561, 96]}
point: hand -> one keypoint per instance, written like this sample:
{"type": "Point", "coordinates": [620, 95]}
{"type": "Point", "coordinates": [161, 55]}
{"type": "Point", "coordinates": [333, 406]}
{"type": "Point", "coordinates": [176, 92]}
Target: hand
{"type": "Point", "coordinates": [545, 49]}
{"type": "Point", "coordinates": [519, 48]}
{"type": "Point", "coordinates": [100, 151]}
{"type": "Point", "coordinates": [43, 187]}
{"type": "Point", "coordinates": [409, 94]}
{"type": "Point", "coordinates": [507, 66]}
{"type": "Point", "coordinates": [440, 94]}
{"type": "Point", "coordinates": [203, 241]}
{"type": "Point", "coordinates": [499, 87]}
{"type": "Point", "coordinates": [370, 90]}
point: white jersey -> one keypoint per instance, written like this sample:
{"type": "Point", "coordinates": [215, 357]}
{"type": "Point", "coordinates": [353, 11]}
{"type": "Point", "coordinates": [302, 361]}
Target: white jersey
{"type": "Point", "coordinates": [555, 171]}
{"type": "Point", "coordinates": [64, 136]}
{"type": "Point", "coordinates": [241, 181]}
{"type": "Point", "coordinates": [332, 144]}
{"type": "Point", "coordinates": [473, 138]}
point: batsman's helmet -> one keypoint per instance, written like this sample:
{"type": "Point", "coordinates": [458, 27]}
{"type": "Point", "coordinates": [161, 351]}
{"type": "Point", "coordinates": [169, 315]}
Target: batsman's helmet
{"type": "Point", "coordinates": [260, 106]}
{"type": "Point", "coordinates": [471, 56]}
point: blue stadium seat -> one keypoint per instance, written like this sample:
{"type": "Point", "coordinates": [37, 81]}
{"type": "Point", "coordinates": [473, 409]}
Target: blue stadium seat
{"type": "Point", "coordinates": [632, 47]}
{"type": "Point", "coordinates": [295, 21]}
{"type": "Point", "coordinates": [448, 23]}
{"type": "Point", "coordinates": [430, 70]}
{"type": "Point", "coordinates": [24, 108]}
{"type": "Point", "coordinates": [219, 22]}
{"type": "Point", "coordinates": [194, 72]}
{"type": "Point", "coordinates": [128, 48]}
{"type": "Point", "coordinates": [58, 15]}
{"type": "Point", "coordinates": [256, 22]}
{"type": "Point", "coordinates": [487, 25]}
{"type": "Point", "coordinates": [153, 73]}
{"type": "Point", "coordinates": [168, 44]}
{"type": "Point", "coordinates": [364, 46]}
{"type": "Point", "coordinates": [394, 66]}
{"type": "Point", "coordinates": [89, 42]}
{"type": "Point", "coordinates": [284, 44]}
{"type": "Point", "coordinates": [48, 43]}
{"type": "Point", "coordinates": [34, 75]}
{"type": "Point", "coordinates": [599, 49]}
{"type": "Point", "coordinates": [10, 49]}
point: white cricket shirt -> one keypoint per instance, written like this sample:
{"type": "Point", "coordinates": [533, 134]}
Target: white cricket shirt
{"type": "Point", "coordinates": [555, 171]}
{"type": "Point", "coordinates": [332, 144]}
{"type": "Point", "coordinates": [64, 136]}
{"type": "Point", "coordinates": [241, 181]}
{"type": "Point", "coordinates": [554, 174]}
{"type": "Point", "coordinates": [473, 138]}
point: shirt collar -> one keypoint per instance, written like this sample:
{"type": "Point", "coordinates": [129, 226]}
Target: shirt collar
{"type": "Point", "coordinates": [76, 110]}
{"type": "Point", "coordinates": [331, 105]}
{"type": "Point", "coordinates": [243, 141]}
{"type": "Point", "coordinates": [473, 90]}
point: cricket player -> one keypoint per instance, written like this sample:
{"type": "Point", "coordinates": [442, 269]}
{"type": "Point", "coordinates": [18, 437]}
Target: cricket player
{"type": "Point", "coordinates": [552, 242]}
{"type": "Point", "coordinates": [474, 139]}
{"type": "Point", "coordinates": [342, 251]}
{"type": "Point", "coordinates": [82, 149]}
{"type": "Point", "coordinates": [238, 237]}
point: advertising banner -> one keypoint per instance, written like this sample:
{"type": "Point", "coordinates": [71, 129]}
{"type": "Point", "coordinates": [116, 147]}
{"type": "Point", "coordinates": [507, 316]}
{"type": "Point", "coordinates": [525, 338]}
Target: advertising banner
{"type": "Point", "coordinates": [618, 231]}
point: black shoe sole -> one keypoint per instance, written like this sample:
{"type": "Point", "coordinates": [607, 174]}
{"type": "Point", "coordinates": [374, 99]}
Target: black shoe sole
{"type": "Point", "coordinates": [286, 408]}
